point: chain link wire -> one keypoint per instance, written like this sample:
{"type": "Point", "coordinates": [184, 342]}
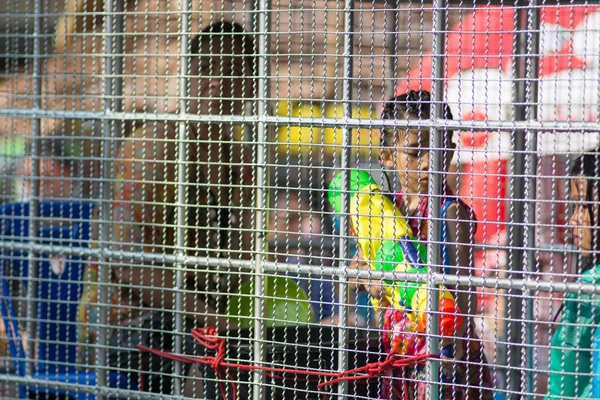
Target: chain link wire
{"type": "Point", "coordinates": [329, 184]}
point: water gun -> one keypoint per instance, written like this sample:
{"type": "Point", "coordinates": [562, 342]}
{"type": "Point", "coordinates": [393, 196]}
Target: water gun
{"type": "Point", "coordinates": [373, 215]}
{"type": "Point", "coordinates": [407, 255]}
{"type": "Point", "coordinates": [387, 242]}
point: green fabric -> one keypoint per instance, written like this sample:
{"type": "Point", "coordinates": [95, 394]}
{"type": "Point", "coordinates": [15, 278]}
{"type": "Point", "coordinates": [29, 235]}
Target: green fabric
{"type": "Point", "coordinates": [285, 304]}
{"type": "Point", "coordinates": [570, 353]}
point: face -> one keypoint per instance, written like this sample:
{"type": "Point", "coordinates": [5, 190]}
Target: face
{"type": "Point", "coordinates": [410, 157]}
{"type": "Point", "coordinates": [580, 223]}
{"type": "Point", "coordinates": [290, 220]}
{"type": "Point", "coordinates": [287, 218]}
{"type": "Point", "coordinates": [223, 77]}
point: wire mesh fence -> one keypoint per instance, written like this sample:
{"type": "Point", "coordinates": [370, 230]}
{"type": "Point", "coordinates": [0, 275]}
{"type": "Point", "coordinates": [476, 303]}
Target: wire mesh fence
{"type": "Point", "coordinates": [304, 200]}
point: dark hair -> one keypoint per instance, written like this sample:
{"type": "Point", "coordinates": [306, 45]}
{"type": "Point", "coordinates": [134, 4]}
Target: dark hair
{"type": "Point", "coordinates": [413, 103]}
{"type": "Point", "coordinates": [588, 166]}
{"type": "Point", "coordinates": [224, 29]}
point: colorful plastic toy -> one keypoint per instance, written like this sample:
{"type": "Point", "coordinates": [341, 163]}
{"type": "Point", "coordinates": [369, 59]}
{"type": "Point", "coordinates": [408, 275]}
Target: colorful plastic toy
{"type": "Point", "coordinates": [373, 216]}
{"type": "Point", "coordinates": [406, 255]}
{"type": "Point", "coordinates": [386, 242]}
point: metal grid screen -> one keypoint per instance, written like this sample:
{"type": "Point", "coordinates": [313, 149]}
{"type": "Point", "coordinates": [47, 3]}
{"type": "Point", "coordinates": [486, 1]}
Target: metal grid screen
{"type": "Point", "coordinates": [292, 199]}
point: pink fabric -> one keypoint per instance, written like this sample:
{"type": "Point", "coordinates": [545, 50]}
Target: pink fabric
{"type": "Point", "coordinates": [418, 221]}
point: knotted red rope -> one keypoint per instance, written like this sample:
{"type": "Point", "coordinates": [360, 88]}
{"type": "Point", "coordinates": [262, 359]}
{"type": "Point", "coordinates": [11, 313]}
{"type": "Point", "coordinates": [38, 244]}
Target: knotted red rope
{"type": "Point", "coordinates": [208, 337]}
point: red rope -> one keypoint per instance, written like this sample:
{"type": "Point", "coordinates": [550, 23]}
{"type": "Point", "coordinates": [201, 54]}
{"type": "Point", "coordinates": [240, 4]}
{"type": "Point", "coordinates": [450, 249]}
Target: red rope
{"type": "Point", "coordinates": [208, 337]}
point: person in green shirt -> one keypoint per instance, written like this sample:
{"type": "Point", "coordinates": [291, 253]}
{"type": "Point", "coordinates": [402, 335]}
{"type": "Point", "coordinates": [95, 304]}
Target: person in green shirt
{"type": "Point", "coordinates": [571, 346]}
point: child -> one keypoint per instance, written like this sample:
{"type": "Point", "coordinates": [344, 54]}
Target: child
{"type": "Point", "coordinates": [570, 354]}
{"type": "Point", "coordinates": [407, 153]}
{"type": "Point", "coordinates": [293, 220]}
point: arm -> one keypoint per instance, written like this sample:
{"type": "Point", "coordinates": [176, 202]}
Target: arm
{"type": "Point", "coordinates": [373, 286]}
{"type": "Point", "coordinates": [242, 194]}
{"type": "Point", "coordinates": [144, 171]}
{"type": "Point", "coordinates": [226, 169]}
{"type": "Point", "coordinates": [461, 229]}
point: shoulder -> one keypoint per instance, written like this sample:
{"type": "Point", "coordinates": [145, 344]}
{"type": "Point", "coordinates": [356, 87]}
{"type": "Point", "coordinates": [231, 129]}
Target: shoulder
{"type": "Point", "coordinates": [461, 212]}
{"type": "Point", "coordinates": [461, 219]}
{"type": "Point", "coordinates": [592, 275]}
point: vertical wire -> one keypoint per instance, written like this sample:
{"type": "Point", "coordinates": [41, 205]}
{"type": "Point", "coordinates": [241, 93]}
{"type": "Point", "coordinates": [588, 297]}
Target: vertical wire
{"type": "Point", "coordinates": [517, 218]}
{"type": "Point", "coordinates": [572, 101]}
{"type": "Point", "coordinates": [345, 204]}
{"type": "Point", "coordinates": [181, 188]}
{"type": "Point", "coordinates": [33, 204]}
{"type": "Point", "coordinates": [392, 48]}
{"type": "Point", "coordinates": [117, 56]}
{"type": "Point", "coordinates": [504, 351]}
{"type": "Point", "coordinates": [262, 11]}
{"type": "Point", "coordinates": [343, 222]}
{"type": "Point", "coordinates": [112, 102]}
{"type": "Point", "coordinates": [435, 191]}
{"type": "Point", "coordinates": [531, 113]}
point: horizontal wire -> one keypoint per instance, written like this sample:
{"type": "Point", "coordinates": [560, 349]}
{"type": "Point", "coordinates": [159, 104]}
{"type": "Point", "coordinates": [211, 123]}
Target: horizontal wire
{"type": "Point", "coordinates": [538, 126]}
{"type": "Point", "coordinates": [270, 266]}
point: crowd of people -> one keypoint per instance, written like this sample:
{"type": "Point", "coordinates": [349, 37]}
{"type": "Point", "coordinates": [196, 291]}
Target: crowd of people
{"type": "Point", "coordinates": [219, 199]}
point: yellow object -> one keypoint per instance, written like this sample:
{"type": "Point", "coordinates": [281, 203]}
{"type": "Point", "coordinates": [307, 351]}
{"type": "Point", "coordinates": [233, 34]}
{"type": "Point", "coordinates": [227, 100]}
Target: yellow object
{"type": "Point", "coordinates": [391, 291]}
{"type": "Point", "coordinates": [303, 140]}
{"type": "Point", "coordinates": [296, 140]}
{"type": "Point", "coordinates": [364, 141]}
{"type": "Point", "coordinates": [237, 133]}
{"type": "Point", "coordinates": [450, 317]}
{"type": "Point", "coordinates": [374, 218]}
{"type": "Point", "coordinates": [419, 300]}
{"type": "Point", "coordinates": [390, 294]}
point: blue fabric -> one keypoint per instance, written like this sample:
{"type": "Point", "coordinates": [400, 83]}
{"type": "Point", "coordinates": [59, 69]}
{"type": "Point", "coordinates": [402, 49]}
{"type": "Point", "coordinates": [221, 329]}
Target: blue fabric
{"type": "Point", "coordinates": [444, 239]}
{"type": "Point", "coordinates": [57, 295]}
{"type": "Point", "coordinates": [320, 290]}
{"type": "Point", "coordinates": [115, 380]}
